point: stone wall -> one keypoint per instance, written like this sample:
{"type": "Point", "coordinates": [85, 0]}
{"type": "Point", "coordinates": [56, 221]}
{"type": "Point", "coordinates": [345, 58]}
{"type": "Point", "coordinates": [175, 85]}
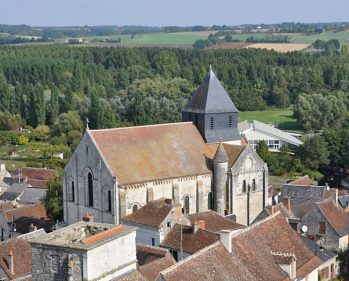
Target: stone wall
{"type": "Point", "coordinates": [86, 159]}
{"type": "Point", "coordinates": [49, 263]}
{"type": "Point", "coordinates": [251, 202]}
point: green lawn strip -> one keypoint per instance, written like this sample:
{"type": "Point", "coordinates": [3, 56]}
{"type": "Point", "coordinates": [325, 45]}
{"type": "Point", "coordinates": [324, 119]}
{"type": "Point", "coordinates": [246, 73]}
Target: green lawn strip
{"type": "Point", "coordinates": [283, 118]}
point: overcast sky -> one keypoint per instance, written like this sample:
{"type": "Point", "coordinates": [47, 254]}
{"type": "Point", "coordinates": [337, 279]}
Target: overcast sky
{"type": "Point", "coordinates": [165, 12]}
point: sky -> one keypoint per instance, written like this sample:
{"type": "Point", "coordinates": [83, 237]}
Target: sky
{"type": "Point", "coordinates": [165, 12]}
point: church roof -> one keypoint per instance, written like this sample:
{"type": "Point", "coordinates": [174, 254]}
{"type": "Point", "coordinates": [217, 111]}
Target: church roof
{"type": "Point", "coordinates": [154, 152]}
{"type": "Point", "coordinates": [210, 97]}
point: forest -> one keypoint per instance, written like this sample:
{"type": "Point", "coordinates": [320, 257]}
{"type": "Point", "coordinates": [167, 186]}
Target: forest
{"type": "Point", "coordinates": [55, 88]}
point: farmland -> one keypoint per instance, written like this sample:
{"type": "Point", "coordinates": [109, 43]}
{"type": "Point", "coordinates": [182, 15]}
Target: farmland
{"type": "Point", "coordinates": [280, 47]}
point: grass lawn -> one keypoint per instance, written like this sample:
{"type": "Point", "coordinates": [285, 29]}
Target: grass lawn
{"type": "Point", "coordinates": [281, 117]}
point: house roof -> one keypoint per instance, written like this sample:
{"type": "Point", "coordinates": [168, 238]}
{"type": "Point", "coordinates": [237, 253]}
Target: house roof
{"type": "Point", "coordinates": [20, 249]}
{"type": "Point", "coordinates": [152, 260]}
{"type": "Point", "coordinates": [343, 201]}
{"type": "Point", "coordinates": [263, 128]}
{"type": "Point", "coordinates": [38, 173]}
{"type": "Point", "coordinates": [210, 97]}
{"type": "Point", "coordinates": [214, 222]}
{"type": "Point", "coordinates": [335, 216]}
{"type": "Point", "coordinates": [153, 152]}
{"type": "Point", "coordinates": [244, 126]}
{"type": "Point", "coordinates": [212, 263]}
{"type": "Point", "coordinates": [33, 211]}
{"type": "Point", "coordinates": [192, 241]}
{"type": "Point", "coordinates": [133, 275]}
{"type": "Point", "coordinates": [254, 246]}
{"type": "Point", "coordinates": [151, 214]}
{"type": "Point", "coordinates": [323, 254]}
{"type": "Point", "coordinates": [305, 180]}
{"type": "Point", "coordinates": [302, 194]}
{"type": "Point", "coordinates": [23, 193]}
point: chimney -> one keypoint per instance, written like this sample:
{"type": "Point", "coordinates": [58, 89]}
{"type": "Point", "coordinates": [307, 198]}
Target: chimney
{"type": "Point", "coordinates": [202, 224]}
{"type": "Point", "coordinates": [286, 201]}
{"type": "Point", "coordinates": [225, 238]}
{"type": "Point", "coordinates": [272, 209]}
{"type": "Point", "coordinates": [334, 193]}
{"type": "Point", "coordinates": [88, 217]}
{"type": "Point", "coordinates": [11, 265]}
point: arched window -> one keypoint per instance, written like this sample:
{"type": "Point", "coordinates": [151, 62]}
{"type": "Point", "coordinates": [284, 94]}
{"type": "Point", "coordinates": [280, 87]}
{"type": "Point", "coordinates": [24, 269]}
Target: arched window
{"type": "Point", "coordinates": [186, 204]}
{"type": "Point", "coordinates": [253, 185]}
{"type": "Point", "coordinates": [134, 208]}
{"type": "Point", "coordinates": [71, 191]}
{"type": "Point", "coordinates": [210, 201]}
{"type": "Point", "coordinates": [90, 189]}
{"type": "Point", "coordinates": [109, 200]}
{"type": "Point", "coordinates": [244, 186]}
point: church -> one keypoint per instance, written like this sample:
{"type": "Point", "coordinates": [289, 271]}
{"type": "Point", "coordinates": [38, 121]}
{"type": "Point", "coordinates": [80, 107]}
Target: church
{"type": "Point", "coordinates": [199, 163]}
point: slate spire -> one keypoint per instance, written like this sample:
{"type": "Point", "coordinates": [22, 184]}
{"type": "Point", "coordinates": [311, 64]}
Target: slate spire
{"type": "Point", "coordinates": [212, 111]}
{"type": "Point", "coordinates": [210, 97]}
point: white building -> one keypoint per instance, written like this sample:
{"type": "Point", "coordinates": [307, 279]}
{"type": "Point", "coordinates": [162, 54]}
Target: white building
{"type": "Point", "coordinates": [275, 138]}
{"type": "Point", "coordinates": [84, 251]}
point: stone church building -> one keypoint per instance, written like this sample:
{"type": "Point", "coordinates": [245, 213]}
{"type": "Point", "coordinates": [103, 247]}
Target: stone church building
{"type": "Point", "coordinates": [199, 163]}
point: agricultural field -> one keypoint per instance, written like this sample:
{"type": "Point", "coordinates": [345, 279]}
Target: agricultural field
{"type": "Point", "coordinates": [282, 118]}
{"type": "Point", "coordinates": [280, 47]}
{"type": "Point", "coordinates": [175, 39]}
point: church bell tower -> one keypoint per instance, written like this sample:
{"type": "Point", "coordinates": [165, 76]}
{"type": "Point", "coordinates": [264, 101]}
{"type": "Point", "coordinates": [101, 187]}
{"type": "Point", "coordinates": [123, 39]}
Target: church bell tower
{"type": "Point", "coordinates": [213, 112]}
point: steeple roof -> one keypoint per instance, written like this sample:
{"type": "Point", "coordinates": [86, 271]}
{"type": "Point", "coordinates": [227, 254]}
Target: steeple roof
{"type": "Point", "coordinates": [221, 155]}
{"type": "Point", "coordinates": [210, 97]}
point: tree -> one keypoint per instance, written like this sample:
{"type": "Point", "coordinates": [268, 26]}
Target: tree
{"type": "Point", "coordinates": [54, 107]}
{"type": "Point", "coordinates": [95, 114]}
{"type": "Point", "coordinates": [67, 122]}
{"type": "Point", "coordinates": [53, 200]}
{"type": "Point", "coordinates": [263, 151]}
{"type": "Point", "coordinates": [4, 95]}
{"type": "Point", "coordinates": [314, 153]}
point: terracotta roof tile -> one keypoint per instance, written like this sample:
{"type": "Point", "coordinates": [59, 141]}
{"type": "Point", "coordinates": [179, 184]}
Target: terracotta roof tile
{"type": "Point", "coordinates": [213, 221]}
{"type": "Point", "coordinates": [21, 258]}
{"type": "Point", "coordinates": [212, 263]}
{"type": "Point", "coordinates": [153, 152]}
{"type": "Point", "coordinates": [33, 210]}
{"type": "Point", "coordinates": [38, 173]}
{"type": "Point", "coordinates": [134, 275]}
{"type": "Point", "coordinates": [335, 215]}
{"type": "Point", "coordinates": [152, 260]}
{"type": "Point", "coordinates": [192, 241]}
{"type": "Point", "coordinates": [305, 180]}
{"type": "Point", "coordinates": [151, 214]}
{"type": "Point", "coordinates": [254, 245]}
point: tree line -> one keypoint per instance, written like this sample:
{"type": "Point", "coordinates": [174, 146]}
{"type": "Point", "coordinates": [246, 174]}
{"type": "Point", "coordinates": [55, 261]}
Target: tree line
{"type": "Point", "coordinates": [151, 85]}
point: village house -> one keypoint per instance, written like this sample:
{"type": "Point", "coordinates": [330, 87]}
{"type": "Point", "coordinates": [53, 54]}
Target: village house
{"type": "Point", "coordinates": [154, 220]}
{"type": "Point", "coordinates": [268, 250]}
{"type": "Point", "coordinates": [199, 163]}
{"type": "Point", "coordinates": [84, 251]}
